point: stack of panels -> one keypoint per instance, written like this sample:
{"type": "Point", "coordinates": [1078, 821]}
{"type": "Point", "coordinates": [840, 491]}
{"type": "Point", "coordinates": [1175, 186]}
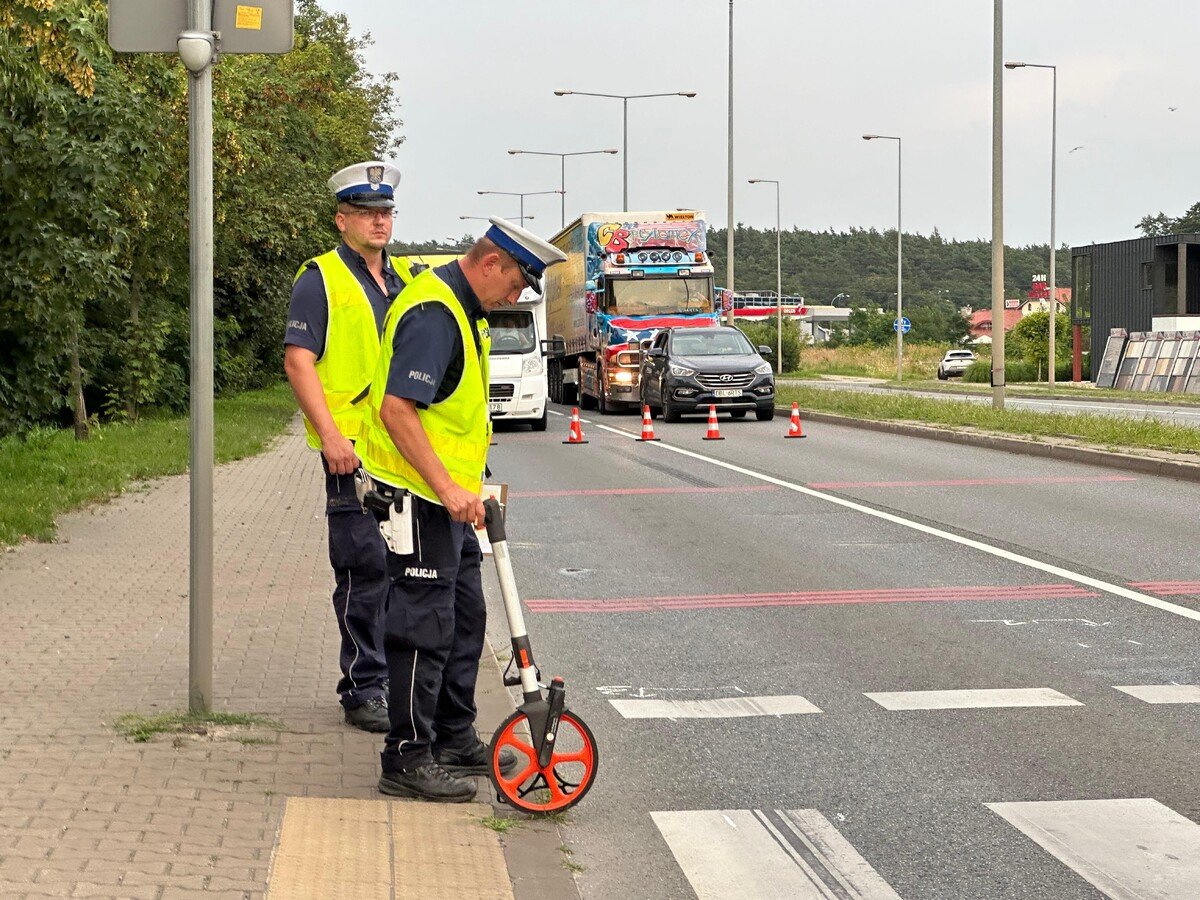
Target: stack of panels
{"type": "Point", "coordinates": [1154, 361]}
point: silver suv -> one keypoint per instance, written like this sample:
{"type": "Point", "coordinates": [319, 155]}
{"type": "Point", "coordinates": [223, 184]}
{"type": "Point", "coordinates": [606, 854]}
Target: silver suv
{"type": "Point", "coordinates": [955, 362]}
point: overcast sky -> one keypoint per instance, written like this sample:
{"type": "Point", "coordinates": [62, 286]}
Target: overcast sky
{"type": "Point", "coordinates": [477, 77]}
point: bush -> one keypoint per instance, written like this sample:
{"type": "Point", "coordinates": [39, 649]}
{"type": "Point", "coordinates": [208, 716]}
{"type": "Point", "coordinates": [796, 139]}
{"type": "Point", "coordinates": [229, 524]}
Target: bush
{"type": "Point", "coordinates": [765, 333]}
{"type": "Point", "coordinates": [1017, 371]}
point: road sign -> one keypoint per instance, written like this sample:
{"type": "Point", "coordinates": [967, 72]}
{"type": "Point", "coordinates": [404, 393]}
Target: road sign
{"type": "Point", "coordinates": [902, 325]}
{"type": "Point", "coordinates": [245, 26]}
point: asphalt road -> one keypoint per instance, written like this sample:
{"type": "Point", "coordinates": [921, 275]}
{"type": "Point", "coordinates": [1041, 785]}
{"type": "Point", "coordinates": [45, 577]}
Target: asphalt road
{"type": "Point", "coordinates": [1181, 415]}
{"type": "Point", "coordinates": [787, 580]}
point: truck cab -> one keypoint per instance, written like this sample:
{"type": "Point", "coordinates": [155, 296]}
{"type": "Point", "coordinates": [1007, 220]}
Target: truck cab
{"type": "Point", "coordinates": [517, 365]}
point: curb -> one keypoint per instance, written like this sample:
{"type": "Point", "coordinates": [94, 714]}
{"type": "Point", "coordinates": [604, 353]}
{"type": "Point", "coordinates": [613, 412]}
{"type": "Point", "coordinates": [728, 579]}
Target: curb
{"type": "Point", "coordinates": [1092, 456]}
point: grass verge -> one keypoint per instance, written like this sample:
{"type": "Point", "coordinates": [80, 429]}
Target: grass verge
{"type": "Point", "coordinates": [1062, 391]}
{"type": "Point", "coordinates": [139, 728]}
{"type": "Point", "coordinates": [48, 472]}
{"type": "Point", "coordinates": [1114, 432]}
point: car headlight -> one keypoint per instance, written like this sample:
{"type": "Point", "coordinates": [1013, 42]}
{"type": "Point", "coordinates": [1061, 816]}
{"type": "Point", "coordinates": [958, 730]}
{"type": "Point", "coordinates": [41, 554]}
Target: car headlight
{"type": "Point", "coordinates": [682, 371]}
{"type": "Point", "coordinates": [763, 369]}
{"type": "Point", "coordinates": [532, 365]}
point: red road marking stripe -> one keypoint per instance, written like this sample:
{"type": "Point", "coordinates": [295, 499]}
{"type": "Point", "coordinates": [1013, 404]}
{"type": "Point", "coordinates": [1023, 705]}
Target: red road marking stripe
{"type": "Point", "coordinates": [600, 492]}
{"type": "Point", "coordinates": [1168, 587]}
{"type": "Point", "coordinates": [816, 598]}
{"type": "Point", "coordinates": [968, 482]}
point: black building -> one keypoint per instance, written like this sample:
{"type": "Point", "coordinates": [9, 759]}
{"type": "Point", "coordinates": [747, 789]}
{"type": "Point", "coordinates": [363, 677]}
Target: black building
{"type": "Point", "coordinates": [1144, 284]}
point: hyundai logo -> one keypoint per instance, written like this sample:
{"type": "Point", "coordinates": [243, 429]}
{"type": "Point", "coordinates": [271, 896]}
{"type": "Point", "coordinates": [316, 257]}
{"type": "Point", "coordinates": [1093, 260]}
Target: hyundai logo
{"type": "Point", "coordinates": [726, 377]}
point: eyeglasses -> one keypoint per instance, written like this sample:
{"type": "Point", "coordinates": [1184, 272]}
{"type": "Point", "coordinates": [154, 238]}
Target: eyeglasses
{"type": "Point", "coordinates": [367, 213]}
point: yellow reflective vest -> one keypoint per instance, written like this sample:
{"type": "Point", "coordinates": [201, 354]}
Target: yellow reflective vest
{"type": "Point", "coordinates": [459, 427]}
{"type": "Point", "coordinates": [351, 349]}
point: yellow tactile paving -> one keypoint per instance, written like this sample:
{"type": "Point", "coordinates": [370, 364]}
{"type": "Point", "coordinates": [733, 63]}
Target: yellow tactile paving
{"type": "Point", "coordinates": [445, 851]}
{"type": "Point", "coordinates": [367, 849]}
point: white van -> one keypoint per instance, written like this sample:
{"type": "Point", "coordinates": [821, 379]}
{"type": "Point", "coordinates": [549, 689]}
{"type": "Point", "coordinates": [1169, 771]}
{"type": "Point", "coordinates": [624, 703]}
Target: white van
{"type": "Point", "coordinates": [517, 365]}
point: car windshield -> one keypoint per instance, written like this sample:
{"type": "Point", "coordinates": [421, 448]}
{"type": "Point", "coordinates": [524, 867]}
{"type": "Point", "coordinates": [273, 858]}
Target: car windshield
{"type": "Point", "coordinates": [655, 296]}
{"type": "Point", "coordinates": [512, 331]}
{"type": "Point", "coordinates": [710, 343]}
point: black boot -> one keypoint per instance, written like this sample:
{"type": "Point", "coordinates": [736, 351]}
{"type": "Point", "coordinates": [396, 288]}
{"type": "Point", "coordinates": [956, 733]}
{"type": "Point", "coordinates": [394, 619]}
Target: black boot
{"type": "Point", "coordinates": [427, 782]}
{"type": "Point", "coordinates": [473, 759]}
{"type": "Point", "coordinates": [372, 716]}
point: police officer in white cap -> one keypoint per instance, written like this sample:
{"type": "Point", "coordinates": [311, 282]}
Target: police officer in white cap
{"type": "Point", "coordinates": [339, 301]}
{"type": "Point", "coordinates": [427, 434]}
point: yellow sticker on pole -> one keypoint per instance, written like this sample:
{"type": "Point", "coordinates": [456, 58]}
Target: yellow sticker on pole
{"type": "Point", "coordinates": [249, 17]}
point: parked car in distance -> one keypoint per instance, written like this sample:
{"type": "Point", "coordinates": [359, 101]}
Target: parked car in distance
{"type": "Point", "coordinates": [687, 369]}
{"type": "Point", "coordinates": [955, 362]}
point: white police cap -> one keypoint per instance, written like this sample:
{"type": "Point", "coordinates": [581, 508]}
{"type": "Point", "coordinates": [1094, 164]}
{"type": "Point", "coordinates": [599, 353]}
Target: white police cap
{"type": "Point", "coordinates": [532, 254]}
{"type": "Point", "coordinates": [370, 183]}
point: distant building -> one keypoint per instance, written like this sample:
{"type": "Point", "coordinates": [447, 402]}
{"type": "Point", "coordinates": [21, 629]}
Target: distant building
{"type": "Point", "coordinates": [1037, 299]}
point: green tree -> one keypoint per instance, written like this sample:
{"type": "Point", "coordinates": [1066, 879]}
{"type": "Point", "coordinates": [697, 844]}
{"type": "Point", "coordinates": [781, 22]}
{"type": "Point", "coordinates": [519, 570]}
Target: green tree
{"type": "Point", "coordinates": [1030, 340]}
{"type": "Point", "coordinates": [1188, 223]}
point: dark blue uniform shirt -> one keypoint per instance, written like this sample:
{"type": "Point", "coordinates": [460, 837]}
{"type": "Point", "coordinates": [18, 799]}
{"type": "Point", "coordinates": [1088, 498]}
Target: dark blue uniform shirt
{"type": "Point", "coordinates": [308, 314]}
{"type": "Point", "coordinates": [427, 349]}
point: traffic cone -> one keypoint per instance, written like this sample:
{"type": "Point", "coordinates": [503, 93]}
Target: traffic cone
{"type": "Point", "coordinates": [714, 433]}
{"type": "Point", "coordinates": [575, 436]}
{"type": "Point", "coordinates": [795, 429]}
{"type": "Point", "coordinates": [647, 426]}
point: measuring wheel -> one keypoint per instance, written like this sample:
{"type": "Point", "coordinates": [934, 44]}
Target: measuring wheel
{"type": "Point", "coordinates": [558, 785]}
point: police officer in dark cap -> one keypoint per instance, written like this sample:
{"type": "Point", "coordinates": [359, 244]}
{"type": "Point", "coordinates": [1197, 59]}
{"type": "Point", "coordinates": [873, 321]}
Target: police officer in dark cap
{"type": "Point", "coordinates": [339, 301]}
{"type": "Point", "coordinates": [425, 444]}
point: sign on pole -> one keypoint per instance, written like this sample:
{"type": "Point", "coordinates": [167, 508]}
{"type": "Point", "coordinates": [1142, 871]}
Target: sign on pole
{"type": "Point", "coordinates": [242, 26]}
{"type": "Point", "coordinates": [902, 324]}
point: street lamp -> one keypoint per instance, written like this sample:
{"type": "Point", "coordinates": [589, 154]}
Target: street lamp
{"type": "Point", "coordinates": [899, 251]}
{"type": "Point", "coordinates": [625, 98]}
{"type": "Point", "coordinates": [522, 195]}
{"type": "Point", "coordinates": [778, 278]}
{"type": "Point", "coordinates": [489, 218]}
{"type": "Point", "coordinates": [1053, 166]}
{"type": "Point", "coordinates": [562, 182]}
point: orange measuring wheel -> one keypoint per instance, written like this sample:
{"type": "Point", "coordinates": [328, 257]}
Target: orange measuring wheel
{"type": "Point", "coordinates": [558, 785]}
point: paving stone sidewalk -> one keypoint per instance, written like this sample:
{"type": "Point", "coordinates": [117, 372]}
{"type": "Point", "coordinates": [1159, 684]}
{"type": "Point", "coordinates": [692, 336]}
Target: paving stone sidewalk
{"type": "Point", "coordinates": [95, 625]}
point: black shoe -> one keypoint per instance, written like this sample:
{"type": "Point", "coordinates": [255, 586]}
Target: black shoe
{"type": "Point", "coordinates": [474, 760]}
{"type": "Point", "coordinates": [372, 715]}
{"type": "Point", "coordinates": [427, 782]}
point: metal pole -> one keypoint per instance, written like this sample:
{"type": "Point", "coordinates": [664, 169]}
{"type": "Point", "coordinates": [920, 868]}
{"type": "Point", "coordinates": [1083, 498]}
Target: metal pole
{"type": "Point", "coordinates": [778, 289]}
{"type": "Point", "coordinates": [732, 222]}
{"type": "Point", "coordinates": [200, 219]}
{"type": "Point", "coordinates": [562, 190]}
{"type": "Point", "coordinates": [625, 154]}
{"type": "Point", "coordinates": [997, 204]}
{"type": "Point", "coordinates": [1053, 245]}
{"type": "Point", "coordinates": [899, 263]}
{"type": "Point", "coordinates": [522, 210]}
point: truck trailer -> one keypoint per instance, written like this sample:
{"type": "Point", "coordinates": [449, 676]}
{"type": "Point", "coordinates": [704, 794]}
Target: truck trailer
{"type": "Point", "coordinates": [627, 276]}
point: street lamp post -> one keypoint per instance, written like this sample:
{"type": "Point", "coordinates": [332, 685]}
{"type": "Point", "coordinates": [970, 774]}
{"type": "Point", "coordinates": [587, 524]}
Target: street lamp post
{"type": "Point", "coordinates": [1053, 168]}
{"type": "Point", "coordinates": [625, 98]}
{"type": "Point", "coordinates": [899, 250]}
{"type": "Point", "coordinates": [562, 182]}
{"type": "Point", "coordinates": [731, 224]}
{"type": "Point", "coordinates": [778, 278]}
{"type": "Point", "coordinates": [522, 195]}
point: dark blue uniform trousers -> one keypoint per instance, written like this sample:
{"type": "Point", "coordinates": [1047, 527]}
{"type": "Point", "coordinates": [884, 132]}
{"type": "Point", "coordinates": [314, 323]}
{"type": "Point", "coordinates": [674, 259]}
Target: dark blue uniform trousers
{"type": "Point", "coordinates": [359, 559]}
{"type": "Point", "coordinates": [433, 638]}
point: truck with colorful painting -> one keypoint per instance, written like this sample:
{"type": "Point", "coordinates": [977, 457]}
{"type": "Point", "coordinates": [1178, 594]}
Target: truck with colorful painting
{"type": "Point", "coordinates": [627, 276]}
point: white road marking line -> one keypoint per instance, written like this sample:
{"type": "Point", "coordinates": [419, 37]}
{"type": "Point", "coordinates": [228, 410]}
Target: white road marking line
{"type": "Point", "coordinates": [1162, 693]}
{"type": "Point", "coordinates": [972, 699]}
{"type": "Point", "coordinates": [743, 854]}
{"type": "Point", "coordinates": [722, 708]}
{"type": "Point", "coordinates": [1066, 574]}
{"type": "Point", "coordinates": [1127, 849]}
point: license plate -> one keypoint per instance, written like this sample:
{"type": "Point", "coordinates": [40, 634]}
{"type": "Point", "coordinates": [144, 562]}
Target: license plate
{"type": "Point", "coordinates": [495, 407]}
{"type": "Point", "coordinates": [727, 392]}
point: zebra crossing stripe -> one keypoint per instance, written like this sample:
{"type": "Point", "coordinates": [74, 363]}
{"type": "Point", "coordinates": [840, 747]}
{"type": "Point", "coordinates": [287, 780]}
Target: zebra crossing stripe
{"type": "Point", "coordinates": [971, 699]}
{"type": "Point", "coordinates": [722, 708]}
{"type": "Point", "coordinates": [1127, 849]}
{"type": "Point", "coordinates": [1163, 693]}
{"type": "Point", "coordinates": [744, 854]}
